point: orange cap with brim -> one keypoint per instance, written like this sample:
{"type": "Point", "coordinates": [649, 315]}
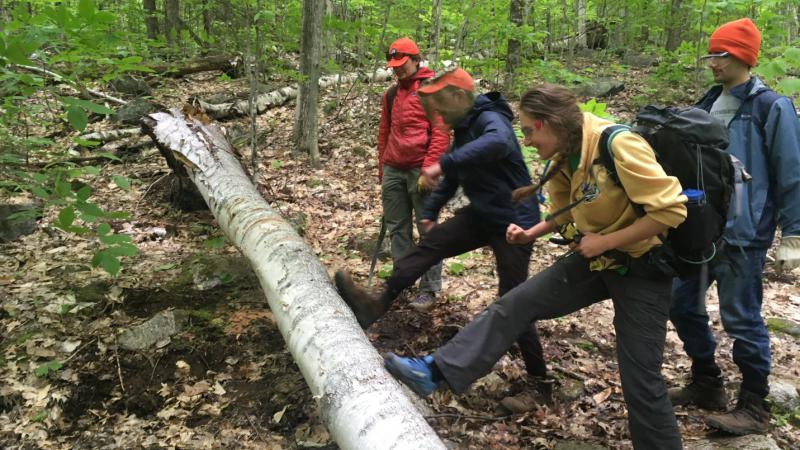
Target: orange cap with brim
{"type": "Point", "coordinates": [404, 47]}
{"type": "Point", "coordinates": [457, 78]}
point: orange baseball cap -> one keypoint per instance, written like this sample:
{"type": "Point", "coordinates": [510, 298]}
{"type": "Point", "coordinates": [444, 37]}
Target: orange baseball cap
{"type": "Point", "coordinates": [457, 78]}
{"type": "Point", "coordinates": [400, 51]}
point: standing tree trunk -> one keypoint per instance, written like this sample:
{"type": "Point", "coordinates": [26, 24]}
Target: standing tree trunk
{"type": "Point", "coordinates": [172, 21]}
{"type": "Point", "coordinates": [675, 24]}
{"type": "Point", "coordinates": [305, 119]}
{"type": "Point", "coordinates": [516, 14]}
{"type": "Point", "coordinates": [208, 20]}
{"type": "Point", "coordinates": [462, 32]}
{"type": "Point", "coordinates": [436, 23]}
{"type": "Point", "coordinates": [580, 23]}
{"type": "Point", "coordinates": [150, 18]}
{"type": "Point", "coordinates": [361, 405]}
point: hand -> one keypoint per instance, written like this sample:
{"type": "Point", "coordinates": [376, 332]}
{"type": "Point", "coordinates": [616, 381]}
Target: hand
{"type": "Point", "coordinates": [515, 234]}
{"type": "Point", "coordinates": [788, 254]}
{"type": "Point", "coordinates": [430, 175]}
{"type": "Point", "coordinates": [422, 185]}
{"type": "Point", "coordinates": [427, 224]}
{"type": "Point", "coordinates": [592, 245]}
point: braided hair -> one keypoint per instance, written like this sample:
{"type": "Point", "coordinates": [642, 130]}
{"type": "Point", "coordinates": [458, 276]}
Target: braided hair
{"type": "Point", "coordinates": [557, 106]}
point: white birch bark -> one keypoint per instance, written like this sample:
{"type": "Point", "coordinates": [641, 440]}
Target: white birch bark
{"type": "Point", "coordinates": [278, 97]}
{"type": "Point", "coordinates": [360, 403]}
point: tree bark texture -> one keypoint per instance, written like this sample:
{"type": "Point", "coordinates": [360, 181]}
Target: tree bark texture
{"type": "Point", "coordinates": [516, 14]}
{"type": "Point", "coordinates": [150, 18]}
{"type": "Point", "coordinates": [362, 406]}
{"type": "Point", "coordinates": [675, 24]}
{"type": "Point", "coordinates": [172, 21]}
{"type": "Point", "coordinates": [436, 23]}
{"type": "Point", "coordinates": [305, 118]}
{"type": "Point", "coordinates": [280, 96]}
{"type": "Point", "coordinates": [230, 64]}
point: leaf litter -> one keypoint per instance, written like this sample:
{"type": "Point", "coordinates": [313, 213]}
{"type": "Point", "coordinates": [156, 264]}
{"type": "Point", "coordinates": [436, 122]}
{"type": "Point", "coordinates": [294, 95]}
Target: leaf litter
{"type": "Point", "coordinates": [225, 379]}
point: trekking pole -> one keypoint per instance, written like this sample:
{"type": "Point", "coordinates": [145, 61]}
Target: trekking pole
{"type": "Point", "coordinates": [381, 236]}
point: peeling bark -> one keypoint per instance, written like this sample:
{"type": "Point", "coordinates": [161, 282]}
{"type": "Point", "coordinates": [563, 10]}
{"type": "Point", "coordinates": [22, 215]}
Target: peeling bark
{"type": "Point", "coordinates": [360, 403]}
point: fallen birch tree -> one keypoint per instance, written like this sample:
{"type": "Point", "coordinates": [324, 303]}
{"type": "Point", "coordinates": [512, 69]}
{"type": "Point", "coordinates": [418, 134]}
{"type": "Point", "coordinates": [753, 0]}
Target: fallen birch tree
{"type": "Point", "coordinates": [111, 135]}
{"type": "Point", "coordinates": [280, 96]}
{"type": "Point", "coordinates": [362, 406]}
{"type": "Point", "coordinates": [57, 77]}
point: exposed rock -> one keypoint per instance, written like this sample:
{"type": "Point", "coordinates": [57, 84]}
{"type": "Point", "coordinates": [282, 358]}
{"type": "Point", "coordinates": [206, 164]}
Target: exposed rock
{"type": "Point", "coordinates": [639, 60]}
{"type": "Point", "coordinates": [750, 442]}
{"type": "Point", "coordinates": [127, 84]}
{"type": "Point", "coordinates": [784, 326]}
{"type": "Point", "coordinates": [577, 445]}
{"type": "Point", "coordinates": [570, 390]}
{"type": "Point", "coordinates": [131, 113]}
{"type": "Point", "coordinates": [783, 395]}
{"type": "Point", "coordinates": [13, 227]}
{"type": "Point", "coordinates": [159, 328]}
{"type": "Point", "coordinates": [599, 87]}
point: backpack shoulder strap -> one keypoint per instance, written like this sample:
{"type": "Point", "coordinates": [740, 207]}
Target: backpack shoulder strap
{"type": "Point", "coordinates": [391, 93]}
{"type": "Point", "coordinates": [606, 155]}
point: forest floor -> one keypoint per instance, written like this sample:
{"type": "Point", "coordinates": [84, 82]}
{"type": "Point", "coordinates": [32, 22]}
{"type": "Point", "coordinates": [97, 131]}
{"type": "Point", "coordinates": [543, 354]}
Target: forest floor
{"type": "Point", "coordinates": [225, 379]}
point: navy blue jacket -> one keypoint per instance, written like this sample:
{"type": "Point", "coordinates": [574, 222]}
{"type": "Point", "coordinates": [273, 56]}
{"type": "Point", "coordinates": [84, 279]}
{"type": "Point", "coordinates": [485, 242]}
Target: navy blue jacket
{"type": "Point", "coordinates": [765, 136]}
{"type": "Point", "coordinates": [486, 161]}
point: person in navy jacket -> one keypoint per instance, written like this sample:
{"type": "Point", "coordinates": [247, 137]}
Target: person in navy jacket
{"type": "Point", "coordinates": [485, 160]}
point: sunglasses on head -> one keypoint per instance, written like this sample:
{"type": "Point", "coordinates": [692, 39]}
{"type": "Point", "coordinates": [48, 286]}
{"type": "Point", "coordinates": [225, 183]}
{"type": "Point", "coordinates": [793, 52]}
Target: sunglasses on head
{"type": "Point", "coordinates": [394, 54]}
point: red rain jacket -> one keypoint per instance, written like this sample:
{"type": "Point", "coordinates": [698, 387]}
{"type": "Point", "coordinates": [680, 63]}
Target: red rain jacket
{"type": "Point", "coordinates": [409, 141]}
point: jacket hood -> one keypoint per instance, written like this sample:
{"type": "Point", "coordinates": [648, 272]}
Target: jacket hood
{"type": "Point", "coordinates": [491, 101]}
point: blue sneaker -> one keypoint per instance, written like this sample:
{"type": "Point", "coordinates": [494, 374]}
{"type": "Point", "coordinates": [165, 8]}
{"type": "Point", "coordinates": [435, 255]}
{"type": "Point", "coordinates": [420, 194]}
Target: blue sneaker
{"type": "Point", "coordinates": [413, 372]}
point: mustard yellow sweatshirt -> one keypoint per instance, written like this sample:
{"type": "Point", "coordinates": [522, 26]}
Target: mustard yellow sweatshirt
{"type": "Point", "coordinates": [645, 184]}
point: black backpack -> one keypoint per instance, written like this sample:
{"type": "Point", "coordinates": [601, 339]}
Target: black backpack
{"type": "Point", "coordinates": [690, 145]}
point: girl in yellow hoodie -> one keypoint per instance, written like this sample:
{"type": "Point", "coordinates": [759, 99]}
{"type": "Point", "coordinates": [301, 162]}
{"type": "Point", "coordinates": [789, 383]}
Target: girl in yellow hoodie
{"type": "Point", "coordinates": [616, 257]}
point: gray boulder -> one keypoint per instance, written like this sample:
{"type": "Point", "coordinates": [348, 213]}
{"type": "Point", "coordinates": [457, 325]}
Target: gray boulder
{"type": "Point", "coordinates": [751, 442]}
{"type": "Point", "coordinates": [783, 395]}
{"type": "Point", "coordinates": [17, 220]}
{"type": "Point", "coordinates": [599, 87]}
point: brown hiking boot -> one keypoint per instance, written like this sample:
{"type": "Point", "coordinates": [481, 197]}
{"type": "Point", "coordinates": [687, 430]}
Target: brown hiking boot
{"type": "Point", "coordinates": [424, 302]}
{"type": "Point", "coordinates": [366, 305]}
{"type": "Point", "coordinates": [704, 391]}
{"type": "Point", "coordinates": [540, 392]}
{"type": "Point", "coordinates": [751, 416]}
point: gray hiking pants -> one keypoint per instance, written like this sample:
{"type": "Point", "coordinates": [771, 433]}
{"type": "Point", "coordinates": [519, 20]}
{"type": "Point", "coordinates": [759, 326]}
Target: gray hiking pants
{"type": "Point", "coordinates": [401, 202]}
{"type": "Point", "coordinates": [641, 306]}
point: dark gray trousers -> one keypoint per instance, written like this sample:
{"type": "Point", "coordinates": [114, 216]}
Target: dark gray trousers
{"type": "Point", "coordinates": [641, 307]}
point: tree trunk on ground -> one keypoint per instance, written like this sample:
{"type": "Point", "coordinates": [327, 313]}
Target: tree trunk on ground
{"type": "Point", "coordinates": [516, 14]}
{"type": "Point", "coordinates": [305, 118]}
{"type": "Point", "coordinates": [172, 22]}
{"type": "Point", "coordinates": [436, 24]}
{"type": "Point", "coordinates": [111, 135]}
{"type": "Point", "coordinates": [84, 90]}
{"type": "Point", "coordinates": [674, 26]}
{"type": "Point", "coordinates": [230, 64]}
{"type": "Point", "coordinates": [150, 18]}
{"type": "Point", "coordinates": [360, 404]}
{"type": "Point", "coordinates": [278, 97]}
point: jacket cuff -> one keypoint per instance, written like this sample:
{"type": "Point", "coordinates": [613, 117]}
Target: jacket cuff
{"type": "Point", "coordinates": [447, 164]}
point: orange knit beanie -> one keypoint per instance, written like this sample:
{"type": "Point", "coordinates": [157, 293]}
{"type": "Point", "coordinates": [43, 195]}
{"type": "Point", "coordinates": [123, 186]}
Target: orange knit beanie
{"type": "Point", "coordinates": [740, 38]}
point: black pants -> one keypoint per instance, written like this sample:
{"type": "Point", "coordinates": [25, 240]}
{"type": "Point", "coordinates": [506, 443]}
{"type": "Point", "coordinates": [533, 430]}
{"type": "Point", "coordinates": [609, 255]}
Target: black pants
{"type": "Point", "coordinates": [464, 232]}
{"type": "Point", "coordinates": [641, 308]}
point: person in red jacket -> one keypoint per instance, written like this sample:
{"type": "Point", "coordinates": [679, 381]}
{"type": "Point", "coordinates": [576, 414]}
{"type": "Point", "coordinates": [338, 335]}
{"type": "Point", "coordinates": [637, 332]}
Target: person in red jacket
{"type": "Point", "coordinates": [407, 142]}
